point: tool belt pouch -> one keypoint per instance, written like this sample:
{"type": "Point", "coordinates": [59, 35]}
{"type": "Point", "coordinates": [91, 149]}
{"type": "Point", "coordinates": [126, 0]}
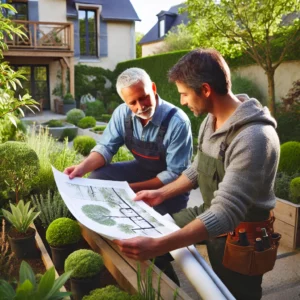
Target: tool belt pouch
{"type": "Point", "coordinates": [245, 260]}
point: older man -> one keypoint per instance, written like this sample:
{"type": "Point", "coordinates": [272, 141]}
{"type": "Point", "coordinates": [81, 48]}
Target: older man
{"type": "Point", "coordinates": [156, 132]}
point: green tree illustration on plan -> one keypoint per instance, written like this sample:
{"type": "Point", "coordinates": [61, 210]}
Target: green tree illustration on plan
{"type": "Point", "coordinates": [126, 228]}
{"type": "Point", "coordinates": [99, 214]}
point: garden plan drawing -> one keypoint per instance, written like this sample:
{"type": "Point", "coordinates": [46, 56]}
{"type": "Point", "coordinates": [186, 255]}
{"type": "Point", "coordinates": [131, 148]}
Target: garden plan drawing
{"type": "Point", "coordinates": [106, 207]}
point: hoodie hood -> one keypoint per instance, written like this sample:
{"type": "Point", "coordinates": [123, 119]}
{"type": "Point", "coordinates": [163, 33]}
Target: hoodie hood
{"type": "Point", "coordinates": [249, 111]}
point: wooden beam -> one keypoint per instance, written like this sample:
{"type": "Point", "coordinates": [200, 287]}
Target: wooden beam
{"type": "Point", "coordinates": [40, 53]}
{"type": "Point", "coordinates": [124, 269]}
{"type": "Point", "coordinates": [63, 75]}
{"type": "Point", "coordinates": [72, 76]}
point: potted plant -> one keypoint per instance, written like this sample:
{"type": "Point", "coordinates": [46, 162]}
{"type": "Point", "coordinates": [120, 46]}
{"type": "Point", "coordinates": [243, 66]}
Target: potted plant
{"type": "Point", "coordinates": [21, 237]}
{"type": "Point", "coordinates": [60, 129]}
{"type": "Point", "coordinates": [63, 235]}
{"type": "Point", "coordinates": [69, 102]}
{"type": "Point", "coordinates": [18, 165]}
{"type": "Point", "coordinates": [110, 292]}
{"type": "Point", "coordinates": [86, 266]}
{"type": "Point", "coordinates": [287, 191]}
{"type": "Point", "coordinates": [28, 288]}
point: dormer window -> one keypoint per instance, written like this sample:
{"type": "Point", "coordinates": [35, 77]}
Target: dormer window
{"type": "Point", "coordinates": [161, 28]}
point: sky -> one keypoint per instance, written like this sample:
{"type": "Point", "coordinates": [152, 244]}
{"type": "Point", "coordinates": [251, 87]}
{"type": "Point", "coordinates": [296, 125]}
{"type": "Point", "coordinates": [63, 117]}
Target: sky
{"type": "Point", "coordinates": [147, 11]}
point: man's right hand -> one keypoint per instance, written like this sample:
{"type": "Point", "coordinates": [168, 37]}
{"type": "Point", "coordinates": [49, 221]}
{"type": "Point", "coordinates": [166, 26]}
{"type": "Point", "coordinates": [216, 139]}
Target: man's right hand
{"type": "Point", "coordinates": [74, 171]}
{"type": "Point", "coordinates": [151, 197]}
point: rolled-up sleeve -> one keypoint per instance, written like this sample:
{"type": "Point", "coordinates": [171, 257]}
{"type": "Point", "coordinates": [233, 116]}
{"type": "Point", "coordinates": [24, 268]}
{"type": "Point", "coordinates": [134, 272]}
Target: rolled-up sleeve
{"type": "Point", "coordinates": [113, 136]}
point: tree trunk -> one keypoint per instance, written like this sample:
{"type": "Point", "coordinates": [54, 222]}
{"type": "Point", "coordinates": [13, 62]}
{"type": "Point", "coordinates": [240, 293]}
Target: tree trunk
{"type": "Point", "coordinates": [271, 92]}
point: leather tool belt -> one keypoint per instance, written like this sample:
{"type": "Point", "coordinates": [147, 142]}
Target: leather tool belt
{"type": "Point", "coordinates": [248, 260]}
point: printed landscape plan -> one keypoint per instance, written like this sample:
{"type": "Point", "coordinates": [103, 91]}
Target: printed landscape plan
{"type": "Point", "coordinates": [106, 207]}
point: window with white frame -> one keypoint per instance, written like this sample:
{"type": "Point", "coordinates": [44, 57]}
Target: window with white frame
{"type": "Point", "coordinates": [161, 28]}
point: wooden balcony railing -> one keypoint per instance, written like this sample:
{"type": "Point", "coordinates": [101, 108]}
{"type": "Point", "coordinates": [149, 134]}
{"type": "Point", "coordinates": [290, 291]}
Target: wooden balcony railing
{"type": "Point", "coordinates": [43, 36]}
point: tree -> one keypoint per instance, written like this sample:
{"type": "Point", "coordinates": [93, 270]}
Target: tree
{"type": "Point", "coordinates": [10, 79]}
{"type": "Point", "coordinates": [138, 37]}
{"type": "Point", "coordinates": [251, 26]}
{"type": "Point", "coordinates": [178, 38]}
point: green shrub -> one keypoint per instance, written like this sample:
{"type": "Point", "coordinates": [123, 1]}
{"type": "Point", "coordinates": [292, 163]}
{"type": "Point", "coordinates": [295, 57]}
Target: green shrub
{"type": "Point", "coordinates": [68, 133]}
{"type": "Point", "coordinates": [9, 132]}
{"type": "Point", "coordinates": [84, 263]}
{"type": "Point", "coordinates": [75, 115]}
{"type": "Point", "coordinates": [99, 128]}
{"type": "Point", "coordinates": [242, 85]}
{"type": "Point", "coordinates": [112, 105]}
{"type": "Point", "coordinates": [288, 123]}
{"type": "Point", "coordinates": [87, 122]}
{"type": "Point", "coordinates": [68, 99]}
{"type": "Point", "coordinates": [95, 109]}
{"type": "Point", "coordinates": [49, 153]}
{"type": "Point", "coordinates": [295, 190]}
{"type": "Point", "coordinates": [63, 231]}
{"type": "Point", "coordinates": [110, 292]}
{"type": "Point", "coordinates": [84, 144]}
{"type": "Point", "coordinates": [51, 207]}
{"type": "Point", "coordinates": [54, 123]}
{"type": "Point", "coordinates": [105, 118]}
{"type": "Point", "coordinates": [289, 162]}
{"type": "Point", "coordinates": [18, 164]}
{"type": "Point", "coordinates": [123, 154]}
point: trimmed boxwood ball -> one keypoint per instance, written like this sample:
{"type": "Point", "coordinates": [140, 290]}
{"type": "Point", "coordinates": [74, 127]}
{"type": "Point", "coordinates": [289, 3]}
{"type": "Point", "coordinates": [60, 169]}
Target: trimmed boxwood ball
{"type": "Point", "coordinates": [87, 122]}
{"type": "Point", "coordinates": [289, 158]}
{"type": "Point", "coordinates": [110, 292]}
{"type": "Point", "coordinates": [84, 263]}
{"type": "Point", "coordinates": [63, 231]}
{"type": "Point", "coordinates": [84, 144]}
{"type": "Point", "coordinates": [75, 115]}
{"type": "Point", "coordinates": [295, 190]}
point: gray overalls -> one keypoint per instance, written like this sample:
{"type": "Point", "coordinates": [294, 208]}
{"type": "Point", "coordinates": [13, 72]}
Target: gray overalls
{"type": "Point", "coordinates": [150, 159]}
{"type": "Point", "coordinates": [210, 173]}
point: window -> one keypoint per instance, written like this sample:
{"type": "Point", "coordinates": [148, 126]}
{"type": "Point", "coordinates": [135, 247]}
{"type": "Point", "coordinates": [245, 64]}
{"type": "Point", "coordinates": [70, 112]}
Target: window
{"type": "Point", "coordinates": [88, 33]}
{"type": "Point", "coordinates": [161, 28]}
{"type": "Point", "coordinates": [22, 11]}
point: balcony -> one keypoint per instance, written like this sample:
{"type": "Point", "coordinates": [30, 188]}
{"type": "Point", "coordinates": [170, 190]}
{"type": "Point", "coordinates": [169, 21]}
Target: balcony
{"type": "Point", "coordinates": [42, 39]}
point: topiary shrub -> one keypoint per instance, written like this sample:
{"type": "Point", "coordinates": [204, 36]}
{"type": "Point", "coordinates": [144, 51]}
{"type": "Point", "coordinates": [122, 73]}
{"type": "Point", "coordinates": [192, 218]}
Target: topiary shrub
{"type": "Point", "coordinates": [75, 115]}
{"type": "Point", "coordinates": [87, 122]}
{"type": "Point", "coordinates": [54, 123]}
{"type": "Point", "coordinates": [84, 263]}
{"type": "Point", "coordinates": [84, 144]}
{"type": "Point", "coordinates": [18, 165]}
{"type": "Point", "coordinates": [69, 133]}
{"type": "Point", "coordinates": [295, 190]}
{"type": "Point", "coordinates": [108, 293]}
{"type": "Point", "coordinates": [63, 231]}
{"type": "Point", "coordinates": [289, 162]}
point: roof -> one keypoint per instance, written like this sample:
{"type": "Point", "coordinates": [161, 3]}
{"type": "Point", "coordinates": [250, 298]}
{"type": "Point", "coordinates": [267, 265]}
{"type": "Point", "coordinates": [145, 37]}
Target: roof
{"type": "Point", "coordinates": [153, 34]}
{"type": "Point", "coordinates": [117, 10]}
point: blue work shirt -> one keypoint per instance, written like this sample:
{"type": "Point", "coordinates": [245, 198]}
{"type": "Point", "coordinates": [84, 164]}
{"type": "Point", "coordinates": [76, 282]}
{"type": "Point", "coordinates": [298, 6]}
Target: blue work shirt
{"type": "Point", "coordinates": [178, 140]}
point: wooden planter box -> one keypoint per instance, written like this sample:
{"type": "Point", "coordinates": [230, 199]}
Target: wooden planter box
{"type": "Point", "coordinates": [287, 223]}
{"type": "Point", "coordinates": [124, 269]}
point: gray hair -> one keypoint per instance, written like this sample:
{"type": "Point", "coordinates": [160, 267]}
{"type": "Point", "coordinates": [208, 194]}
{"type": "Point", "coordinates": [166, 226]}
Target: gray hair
{"type": "Point", "coordinates": [132, 76]}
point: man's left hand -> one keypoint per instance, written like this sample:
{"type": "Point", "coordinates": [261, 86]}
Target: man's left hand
{"type": "Point", "coordinates": [139, 248]}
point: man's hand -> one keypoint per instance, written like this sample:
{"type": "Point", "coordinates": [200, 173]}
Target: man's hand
{"type": "Point", "coordinates": [139, 248]}
{"type": "Point", "coordinates": [151, 197]}
{"type": "Point", "coordinates": [74, 171]}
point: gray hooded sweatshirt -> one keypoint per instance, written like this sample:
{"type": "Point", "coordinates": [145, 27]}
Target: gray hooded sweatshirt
{"type": "Point", "coordinates": [251, 162]}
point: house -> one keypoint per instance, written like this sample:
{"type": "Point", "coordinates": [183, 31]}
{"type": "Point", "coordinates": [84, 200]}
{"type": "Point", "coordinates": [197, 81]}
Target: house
{"type": "Point", "coordinates": [153, 40]}
{"type": "Point", "coordinates": [63, 33]}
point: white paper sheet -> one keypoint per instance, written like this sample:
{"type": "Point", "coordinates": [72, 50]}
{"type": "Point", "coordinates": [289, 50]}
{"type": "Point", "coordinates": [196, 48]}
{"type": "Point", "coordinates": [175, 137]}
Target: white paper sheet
{"type": "Point", "coordinates": [106, 207]}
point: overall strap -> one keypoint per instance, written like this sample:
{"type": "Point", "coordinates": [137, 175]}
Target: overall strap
{"type": "Point", "coordinates": [128, 127]}
{"type": "Point", "coordinates": [202, 135]}
{"type": "Point", "coordinates": [231, 134]}
{"type": "Point", "coordinates": [164, 125]}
